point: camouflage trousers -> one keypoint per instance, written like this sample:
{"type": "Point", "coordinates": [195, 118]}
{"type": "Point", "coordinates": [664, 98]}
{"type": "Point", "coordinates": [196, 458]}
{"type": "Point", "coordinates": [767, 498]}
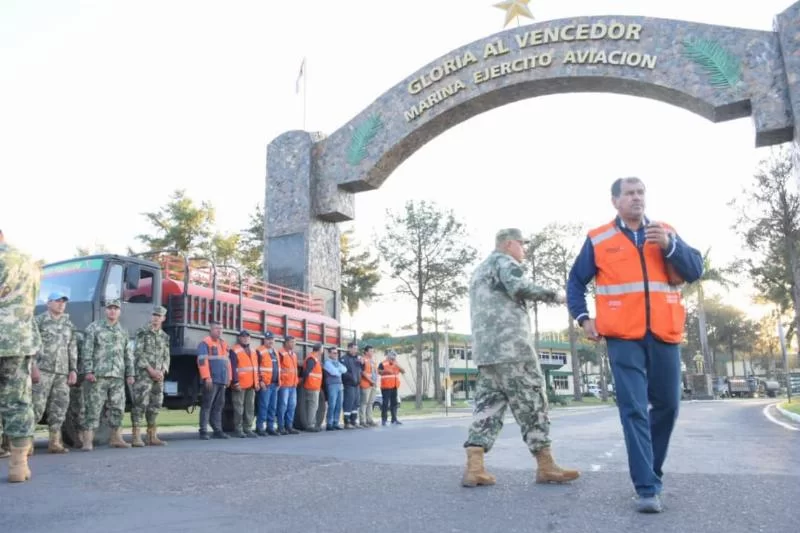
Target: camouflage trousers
{"type": "Point", "coordinates": [16, 398]}
{"type": "Point", "coordinates": [520, 386]}
{"type": "Point", "coordinates": [51, 393]}
{"type": "Point", "coordinates": [148, 397]}
{"type": "Point", "coordinates": [244, 404]}
{"type": "Point", "coordinates": [95, 397]}
{"type": "Point", "coordinates": [77, 406]}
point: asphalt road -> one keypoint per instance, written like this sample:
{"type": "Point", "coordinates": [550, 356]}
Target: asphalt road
{"type": "Point", "coordinates": [730, 469]}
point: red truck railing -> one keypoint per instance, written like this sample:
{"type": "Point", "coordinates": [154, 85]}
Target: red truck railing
{"type": "Point", "coordinates": [203, 273]}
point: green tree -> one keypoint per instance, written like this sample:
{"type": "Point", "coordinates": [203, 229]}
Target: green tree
{"type": "Point", "coordinates": [556, 254]}
{"type": "Point", "coordinates": [360, 274]}
{"type": "Point", "coordinates": [711, 274]}
{"type": "Point", "coordinates": [730, 332]}
{"type": "Point", "coordinates": [180, 225]}
{"type": "Point", "coordinates": [424, 246]}
{"type": "Point", "coordinates": [442, 299]}
{"type": "Point", "coordinates": [531, 265]}
{"type": "Point", "coordinates": [251, 245]}
{"type": "Point", "coordinates": [769, 225]}
{"type": "Point", "coordinates": [82, 251]}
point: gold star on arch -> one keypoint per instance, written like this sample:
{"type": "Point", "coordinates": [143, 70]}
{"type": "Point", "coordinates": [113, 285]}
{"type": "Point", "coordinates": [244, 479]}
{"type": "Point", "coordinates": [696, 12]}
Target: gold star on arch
{"type": "Point", "coordinates": [515, 8]}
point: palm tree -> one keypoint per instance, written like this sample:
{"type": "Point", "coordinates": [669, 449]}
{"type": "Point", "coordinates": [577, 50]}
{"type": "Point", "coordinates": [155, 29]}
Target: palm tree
{"type": "Point", "coordinates": [720, 276]}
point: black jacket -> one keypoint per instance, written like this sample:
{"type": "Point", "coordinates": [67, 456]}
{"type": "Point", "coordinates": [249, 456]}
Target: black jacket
{"type": "Point", "coordinates": [353, 375]}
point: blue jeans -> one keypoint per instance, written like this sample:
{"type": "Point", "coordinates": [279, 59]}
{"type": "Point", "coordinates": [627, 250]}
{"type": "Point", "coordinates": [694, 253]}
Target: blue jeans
{"type": "Point", "coordinates": [334, 393]}
{"type": "Point", "coordinates": [267, 402]}
{"type": "Point", "coordinates": [287, 403]}
{"type": "Point", "coordinates": [646, 371]}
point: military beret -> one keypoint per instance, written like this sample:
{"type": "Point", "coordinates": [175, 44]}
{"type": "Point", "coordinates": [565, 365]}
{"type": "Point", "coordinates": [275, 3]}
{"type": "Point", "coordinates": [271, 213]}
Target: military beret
{"type": "Point", "coordinates": [160, 310]}
{"type": "Point", "coordinates": [113, 302]}
{"type": "Point", "coordinates": [510, 234]}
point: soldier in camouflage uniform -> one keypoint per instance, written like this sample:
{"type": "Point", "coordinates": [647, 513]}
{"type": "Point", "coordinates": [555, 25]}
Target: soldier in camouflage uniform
{"type": "Point", "coordinates": [509, 374]}
{"type": "Point", "coordinates": [54, 368]}
{"type": "Point", "coordinates": [151, 360]}
{"type": "Point", "coordinates": [108, 364]}
{"type": "Point", "coordinates": [19, 341]}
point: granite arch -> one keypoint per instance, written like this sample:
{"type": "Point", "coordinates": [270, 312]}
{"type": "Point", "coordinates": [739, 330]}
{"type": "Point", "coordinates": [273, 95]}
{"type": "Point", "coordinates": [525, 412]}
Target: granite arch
{"type": "Point", "coordinates": [720, 73]}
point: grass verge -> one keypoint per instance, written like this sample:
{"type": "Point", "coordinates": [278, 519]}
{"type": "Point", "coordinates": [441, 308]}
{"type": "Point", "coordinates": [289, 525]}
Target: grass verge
{"type": "Point", "coordinates": [793, 407]}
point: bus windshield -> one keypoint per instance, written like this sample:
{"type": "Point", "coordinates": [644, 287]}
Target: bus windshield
{"type": "Point", "coordinates": [77, 279]}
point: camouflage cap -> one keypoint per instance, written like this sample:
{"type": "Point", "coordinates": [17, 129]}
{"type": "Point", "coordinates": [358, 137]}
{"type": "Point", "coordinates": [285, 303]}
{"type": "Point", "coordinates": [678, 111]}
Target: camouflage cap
{"type": "Point", "coordinates": [113, 302]}
{"type": "Point", "coordinates": [160, 310]}
{"type": "Point", "coordinates": [510, 234]}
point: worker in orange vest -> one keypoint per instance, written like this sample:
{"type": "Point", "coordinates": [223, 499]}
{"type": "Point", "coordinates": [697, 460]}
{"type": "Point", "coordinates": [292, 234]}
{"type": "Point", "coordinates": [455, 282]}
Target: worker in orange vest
{"type": "Point", "coordinates": [287, 393]}
{"type": "Point", "coordinates": [638, 266]}
{"type": "Point", "coordinates": [369, 375]}
{"type": "Point", "coordinates": [267, 396]}
{"type": "Point", "coordinates": [390, 372]}
{"type": "Point", "coordinates": [245, 383]}
{"type": "Point", "coordinates": [214, 367]}
{"type": "Point", "coordinates": [312, 384]}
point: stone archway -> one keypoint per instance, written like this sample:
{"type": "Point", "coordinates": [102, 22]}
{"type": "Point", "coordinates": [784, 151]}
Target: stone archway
{"type": "Point", "coordinates": [720, 73]}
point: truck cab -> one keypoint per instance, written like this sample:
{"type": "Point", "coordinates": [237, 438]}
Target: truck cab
{"type": "Point", "coordinates": [90, 281]}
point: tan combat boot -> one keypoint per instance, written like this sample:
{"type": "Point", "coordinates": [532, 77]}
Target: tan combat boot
{"type": "Point", "coordinates": [116, 440]}
{"type": "Point", "coordinates": [87, 438]}
{"type": "Point", "coordinates": [475, 474]}
{"type": "Point", "coordinates": [152, 437]}
{"type": "Point", "coordinates": [55, 445]}
{"type": "Point", "coordinates": [549, 472]}
{"type": "Point", "coordinates": [18, 470]}
{"type": "Point", "coordinates": [137, 441]}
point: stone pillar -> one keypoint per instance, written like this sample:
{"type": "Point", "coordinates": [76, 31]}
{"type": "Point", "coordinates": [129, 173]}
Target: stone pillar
{"type": "Point", "coordinates": [787, 26]}
{"type": "Point", "coordinates": [301, 250]}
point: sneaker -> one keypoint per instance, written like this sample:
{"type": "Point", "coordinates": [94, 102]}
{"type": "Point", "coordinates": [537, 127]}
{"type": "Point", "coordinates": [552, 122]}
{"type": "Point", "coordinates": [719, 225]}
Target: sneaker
{"type": "Point", "coordinates": [293, 432]}
{"type": "Point", "coordinates": [220, 435]}
{"type": "Point", "coordinates": [250, 434]}
{"type": "Point", "coordinates": [649, 504]}
{"type": "Point", "coordinates": [261, 433]}
{"type": "Point", "coordinates": [204, 436]}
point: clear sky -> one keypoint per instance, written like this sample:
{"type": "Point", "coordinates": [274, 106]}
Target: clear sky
{"type": "Point", "coordinates": [108, 106]}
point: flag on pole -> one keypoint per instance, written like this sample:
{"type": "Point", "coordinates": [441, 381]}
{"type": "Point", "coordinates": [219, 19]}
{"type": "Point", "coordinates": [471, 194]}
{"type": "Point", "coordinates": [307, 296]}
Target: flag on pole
{"type": "Point", "coordinates": [300, 76]}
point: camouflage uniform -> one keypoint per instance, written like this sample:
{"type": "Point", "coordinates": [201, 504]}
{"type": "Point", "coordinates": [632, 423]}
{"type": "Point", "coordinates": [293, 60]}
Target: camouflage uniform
{"type": "Point", "coordinates": [152, 349]}
{"type": "Point", "coordinates": [509, 374]}
{"type": "Point", "coordinates": [58, 357]}
{"type": "Point", "coordinates": [106, 355]}
{"type": "Point", "coordinates": [19, 340]}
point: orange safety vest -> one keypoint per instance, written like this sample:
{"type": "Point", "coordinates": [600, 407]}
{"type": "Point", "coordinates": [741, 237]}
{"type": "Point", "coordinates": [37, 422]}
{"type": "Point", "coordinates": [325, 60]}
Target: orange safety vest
{"type": "Point", "coordinates": [367, 370]}
{"type": "Point", "coordinates": [246, 367]}
{"type": "Point", "coordinates": [288, 369]}
{"type": "Point", "coordinates": [390, 375]}
{"type": "Point", "coordinates": [222, 353]}
{"type": "Point", "coordinates": [633, 290]}
{"type": "Point", "coordinates": [265, 365]}
{"type": "Point", "coordinates": [313, 381]}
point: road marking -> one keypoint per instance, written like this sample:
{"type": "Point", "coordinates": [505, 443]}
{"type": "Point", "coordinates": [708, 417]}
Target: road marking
{"type": "Point", "coordinates": [595, 468]}
{"type": "Point", "coordinates": [609, 454]}
{"type": "Point", "coordinates": [775, 420]}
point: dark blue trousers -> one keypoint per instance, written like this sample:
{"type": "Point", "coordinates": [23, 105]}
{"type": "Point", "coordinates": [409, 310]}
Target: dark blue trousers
{"type": "Point", "coordinates": [646, 371]}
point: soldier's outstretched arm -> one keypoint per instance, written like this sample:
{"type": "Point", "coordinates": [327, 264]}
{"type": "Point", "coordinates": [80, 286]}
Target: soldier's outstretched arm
{"type": "Point", "coordinates": [520, 287]}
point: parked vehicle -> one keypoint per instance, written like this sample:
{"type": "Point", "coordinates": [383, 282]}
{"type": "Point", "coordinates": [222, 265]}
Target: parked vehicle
{"type": "Point", "coordinates": [195, 291]}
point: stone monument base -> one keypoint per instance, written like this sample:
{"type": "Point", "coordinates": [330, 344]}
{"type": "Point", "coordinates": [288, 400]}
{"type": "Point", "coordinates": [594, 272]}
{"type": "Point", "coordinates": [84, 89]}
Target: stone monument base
{"type": "Point", "coordinates": [702, 386]}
